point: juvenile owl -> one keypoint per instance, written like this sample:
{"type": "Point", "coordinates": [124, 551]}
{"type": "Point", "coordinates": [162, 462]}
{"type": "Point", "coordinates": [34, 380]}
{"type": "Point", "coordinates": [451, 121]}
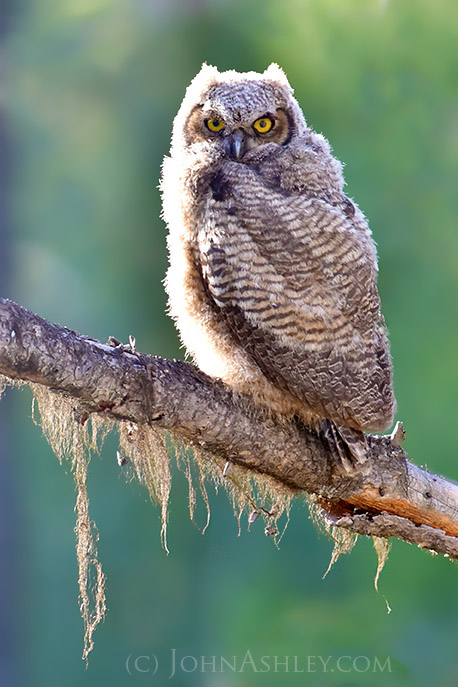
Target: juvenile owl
{"type": "Point", "coordinates": [273, 272]}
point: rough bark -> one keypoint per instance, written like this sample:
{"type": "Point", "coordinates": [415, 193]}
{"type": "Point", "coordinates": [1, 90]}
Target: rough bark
{"type": "Point", "coordinates": [384, 496]}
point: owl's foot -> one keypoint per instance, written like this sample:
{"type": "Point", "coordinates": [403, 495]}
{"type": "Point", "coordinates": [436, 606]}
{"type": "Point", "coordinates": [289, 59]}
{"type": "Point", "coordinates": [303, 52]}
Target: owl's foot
{"type": "Point", "coordinates": [346, 444]}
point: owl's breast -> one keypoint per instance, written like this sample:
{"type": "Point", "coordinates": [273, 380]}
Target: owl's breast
{"type": "Point", "coordinates": [219, 181]}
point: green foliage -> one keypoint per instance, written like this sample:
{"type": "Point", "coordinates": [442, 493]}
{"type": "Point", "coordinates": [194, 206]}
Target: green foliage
{"type": "Point", "coordinates": [91, 89]}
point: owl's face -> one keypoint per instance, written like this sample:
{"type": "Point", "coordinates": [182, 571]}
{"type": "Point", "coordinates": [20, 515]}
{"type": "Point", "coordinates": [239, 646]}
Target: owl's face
{"type": "Point", "coordinates": [233, 114]}
{"type": "Point", "coordinates": [234, 135]}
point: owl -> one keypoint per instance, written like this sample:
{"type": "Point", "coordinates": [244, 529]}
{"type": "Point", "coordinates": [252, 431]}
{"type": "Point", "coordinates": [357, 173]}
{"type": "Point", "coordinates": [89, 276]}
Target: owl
{"type": "Point", "coordinates": [272, 280]}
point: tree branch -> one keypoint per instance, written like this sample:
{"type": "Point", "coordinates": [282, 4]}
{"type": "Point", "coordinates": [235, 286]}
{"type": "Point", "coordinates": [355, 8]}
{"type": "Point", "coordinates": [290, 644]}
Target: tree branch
{"type": "Point", "coordinates": [385, 496]}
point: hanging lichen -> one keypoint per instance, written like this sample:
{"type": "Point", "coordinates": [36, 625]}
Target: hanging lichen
{"type": "Point", "coordinates": [248, 492]}
{"type": "Point", "coordinates": [343, 539]}
{"type": "Point", "coordinates": [191, 462]}
{"type": "Point", "coordinates": [147, 451]}
{"type": "Point", "coordinates": [4, 382]}
{"type": "Point", "coordinates": [73, 435]}
{"type": "Point", "coordinates": [73, 441]}
{"type": "Point", "coordinates": [344, 542]}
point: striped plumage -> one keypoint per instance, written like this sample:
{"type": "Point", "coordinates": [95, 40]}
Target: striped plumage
{"type": "Point", "coordinates": [273, 272]}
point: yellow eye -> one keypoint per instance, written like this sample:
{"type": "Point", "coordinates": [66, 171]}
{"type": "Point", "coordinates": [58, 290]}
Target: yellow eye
{"type": "Point", "coordinates": [215, 124]}
{"type": "Point", "coordinates": [263, 125]}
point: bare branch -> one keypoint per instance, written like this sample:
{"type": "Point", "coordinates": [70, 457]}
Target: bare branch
{"type": "Point", "coordinates": [385, 525]}
{"type": "Point", "coordinates": [176, 396]}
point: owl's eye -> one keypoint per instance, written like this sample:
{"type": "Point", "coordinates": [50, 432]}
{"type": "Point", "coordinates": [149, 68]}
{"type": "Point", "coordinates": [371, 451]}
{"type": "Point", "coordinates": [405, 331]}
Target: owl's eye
{"type": "Point", "coordinates": [215, 124]}
{"type": "Point", "coordinates": [263, 125]}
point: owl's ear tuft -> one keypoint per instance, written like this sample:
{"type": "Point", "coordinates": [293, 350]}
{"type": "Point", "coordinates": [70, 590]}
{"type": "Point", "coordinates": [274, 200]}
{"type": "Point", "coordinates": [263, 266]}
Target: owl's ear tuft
{"type": "Point", "coordinates": [208, 69]}
{"type": "Point", "coordinates": [204, 79]}
{"type": "Point", "coordinates": [276, 73]}
{"type": "Point", "coordinates": [207, 73]}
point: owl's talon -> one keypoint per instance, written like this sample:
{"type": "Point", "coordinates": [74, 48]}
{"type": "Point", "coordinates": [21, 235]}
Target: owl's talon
{"type": "Point", "coordinates": [348, 445]}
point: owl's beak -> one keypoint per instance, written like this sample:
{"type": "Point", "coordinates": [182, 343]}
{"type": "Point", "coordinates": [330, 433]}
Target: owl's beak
{"type": "Point", "coordinates": [236, 144]}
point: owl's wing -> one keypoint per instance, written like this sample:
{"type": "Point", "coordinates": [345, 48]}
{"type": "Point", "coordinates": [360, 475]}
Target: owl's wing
{"type": "Point", "coordinates": [297, 289]}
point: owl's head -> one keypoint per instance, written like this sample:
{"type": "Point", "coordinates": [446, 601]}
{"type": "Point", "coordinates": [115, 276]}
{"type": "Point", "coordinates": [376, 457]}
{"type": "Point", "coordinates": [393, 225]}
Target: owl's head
{"type": "Point", "coordinates": [236, 112]}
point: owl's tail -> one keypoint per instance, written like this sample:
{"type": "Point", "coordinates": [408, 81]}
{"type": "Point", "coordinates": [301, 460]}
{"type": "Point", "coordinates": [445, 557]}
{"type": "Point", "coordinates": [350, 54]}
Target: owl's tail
{"type": "Point", "coordinates": [347, 445]}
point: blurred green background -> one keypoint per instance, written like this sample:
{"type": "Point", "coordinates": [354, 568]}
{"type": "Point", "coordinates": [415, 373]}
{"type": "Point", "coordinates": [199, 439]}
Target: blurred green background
{"type": "Point", "coordinates": [89, 92]}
